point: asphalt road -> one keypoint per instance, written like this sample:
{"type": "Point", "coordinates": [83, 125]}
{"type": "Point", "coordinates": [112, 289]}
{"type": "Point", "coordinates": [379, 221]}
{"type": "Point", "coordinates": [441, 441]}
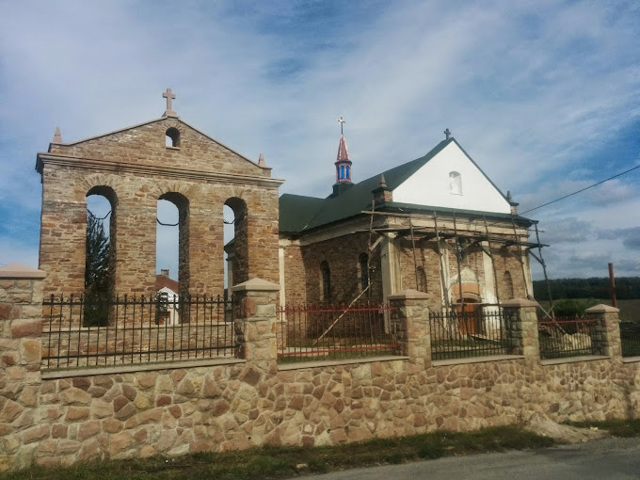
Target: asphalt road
{"type": "Point", "coordinates": [605, 459]}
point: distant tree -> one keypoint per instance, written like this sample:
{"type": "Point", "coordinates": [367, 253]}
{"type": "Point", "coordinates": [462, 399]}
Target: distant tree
{"type": "Point", "coordinates": [571, 307]}
{"type": "Point", "coordinates": [626, 288]}
{"type": "Point", "coordinates": [97, 282]}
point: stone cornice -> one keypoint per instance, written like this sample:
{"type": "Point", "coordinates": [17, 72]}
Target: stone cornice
{"type": "Point", "coordinates": [17, 270]}
{"type": "Point", "coordinates": [170, 172]}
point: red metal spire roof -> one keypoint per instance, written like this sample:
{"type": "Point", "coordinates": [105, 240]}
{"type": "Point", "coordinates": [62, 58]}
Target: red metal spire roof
{"type": "Point", "coordinates": [343, 154]}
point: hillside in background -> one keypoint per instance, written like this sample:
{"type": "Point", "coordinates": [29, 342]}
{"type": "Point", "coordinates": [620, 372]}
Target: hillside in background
{"type": "Point", "coordinates": [626, 288]}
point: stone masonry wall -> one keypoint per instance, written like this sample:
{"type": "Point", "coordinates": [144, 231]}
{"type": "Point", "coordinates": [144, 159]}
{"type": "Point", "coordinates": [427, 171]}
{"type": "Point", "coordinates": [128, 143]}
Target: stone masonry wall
{"type": "Point", "coordinates": [137, 169]}
{"type": "Point", "coordinates": [53, 419]}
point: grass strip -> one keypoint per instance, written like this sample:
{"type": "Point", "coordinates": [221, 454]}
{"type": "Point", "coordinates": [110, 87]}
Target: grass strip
{"type": "Point", "coordinates": [616, 427]}
{"type": "Point", "coordinates": [286, 462]}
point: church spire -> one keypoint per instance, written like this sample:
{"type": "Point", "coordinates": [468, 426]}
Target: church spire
{"type": "Point", "coordinates": [343, 164]}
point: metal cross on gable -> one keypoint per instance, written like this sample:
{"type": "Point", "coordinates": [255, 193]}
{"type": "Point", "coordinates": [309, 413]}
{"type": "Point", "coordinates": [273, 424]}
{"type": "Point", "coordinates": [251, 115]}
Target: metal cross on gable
{"type": "Point", "coordinates": [341, 121]}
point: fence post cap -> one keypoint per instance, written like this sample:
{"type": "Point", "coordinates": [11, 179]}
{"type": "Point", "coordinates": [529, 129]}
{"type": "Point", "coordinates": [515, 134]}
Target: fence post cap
{"type": "Point", "coordinates": [408, 294]}
{"type": "Point", "coordinates": [256, 284]}
{"type": "Point", "coordinates": [519, 303]}
{"type": "Point", "coordinates": [602, 308]}
{"type": "Point", "coordinates": [17, 270]}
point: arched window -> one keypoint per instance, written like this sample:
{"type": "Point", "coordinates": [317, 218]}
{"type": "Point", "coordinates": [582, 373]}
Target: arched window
{"type": "Point", "coordinates": [363, 267]}
{"type": "Point", "coordinates": [236, 240]}
{"type": "Point", "coordinates": [172, 239]}
{"type": "Point", "coordinates": [341, 172]}
{"type": "Point", "coordinates": [326, 281]}
{"type": "Point", "coordinates": [100, 256]}
{"type": "Point", "coordinates": [421, 279]}
{"type": "Point", "coordinates": [172, 138]}
{"type": "Point", "coordinates": [455, 183]}
{"type": "Point", "coordinates": [508, 281]}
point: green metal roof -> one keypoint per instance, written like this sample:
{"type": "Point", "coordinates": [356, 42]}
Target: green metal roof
{"type": "Point", "coordinates": [299, 214]}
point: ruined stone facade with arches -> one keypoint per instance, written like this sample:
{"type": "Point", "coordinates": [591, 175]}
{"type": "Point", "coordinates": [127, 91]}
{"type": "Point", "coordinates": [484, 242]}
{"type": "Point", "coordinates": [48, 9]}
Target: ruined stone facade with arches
{"type": "Point", "coordinates": [134, 168]}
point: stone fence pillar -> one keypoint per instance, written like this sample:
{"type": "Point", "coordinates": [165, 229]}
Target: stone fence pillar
{"type": "Point", "coordinates": [606, 338]}
{"type": "Point", "coordinates": [256, 320]}
{"type": "Point", "coordinates": [410, 323]}
{"type": "Point", "coordinates": [20, 357]}
{"type": "Point", "coordinates": [521, 322]}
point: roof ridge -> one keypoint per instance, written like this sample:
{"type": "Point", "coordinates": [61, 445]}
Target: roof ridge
{"type": "Point", "coordinates": [149, 122]}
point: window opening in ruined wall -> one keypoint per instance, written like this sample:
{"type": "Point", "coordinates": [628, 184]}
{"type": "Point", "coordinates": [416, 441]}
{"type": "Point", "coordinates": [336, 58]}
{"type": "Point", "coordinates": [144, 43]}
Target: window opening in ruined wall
{"type": "Point", "coordinates": [230, 264]}
{"type": "Point", "coordinates": [235, 215]}
{"type": "Point", "coordinates": [172, 137]}
{"type": "Point", "coordinates": [100, 255]}
{"type": "Point", "coordinates": [172, 239]}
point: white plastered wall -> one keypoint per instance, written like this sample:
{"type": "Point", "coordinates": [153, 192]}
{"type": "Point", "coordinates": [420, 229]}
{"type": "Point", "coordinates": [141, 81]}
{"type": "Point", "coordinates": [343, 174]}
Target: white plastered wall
{"type": "Point", "coordinates": [430, 185]}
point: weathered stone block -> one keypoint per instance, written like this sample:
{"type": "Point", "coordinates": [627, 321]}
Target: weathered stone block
{"type": "Point", "coordinates": [75, 396]}
{"type": "Point", "coordinates": [35, 433]}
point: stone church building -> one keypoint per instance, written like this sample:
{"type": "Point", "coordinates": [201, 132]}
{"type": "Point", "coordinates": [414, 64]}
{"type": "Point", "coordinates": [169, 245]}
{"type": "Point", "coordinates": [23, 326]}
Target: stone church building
{"type": "Point", "coordinates": [435, 224]}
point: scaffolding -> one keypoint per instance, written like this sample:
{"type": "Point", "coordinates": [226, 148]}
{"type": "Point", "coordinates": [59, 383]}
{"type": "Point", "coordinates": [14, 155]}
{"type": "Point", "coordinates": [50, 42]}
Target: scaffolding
{"type": "Point", "coordinates": [461, 240]}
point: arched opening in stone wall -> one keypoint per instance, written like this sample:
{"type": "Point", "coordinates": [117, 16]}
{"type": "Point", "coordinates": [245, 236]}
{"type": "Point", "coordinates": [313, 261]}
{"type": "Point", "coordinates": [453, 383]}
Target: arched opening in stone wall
{"type": "Point", "coordinates": [172, 137]}
{"type": "Point", "coordinates": [230, 264]}
{"type": "Point", "coordinates": [172, 241]}
{"type": "Point", "coordinates": [236, 241]}
{"type": "Point", "coordinates": [100, 255]}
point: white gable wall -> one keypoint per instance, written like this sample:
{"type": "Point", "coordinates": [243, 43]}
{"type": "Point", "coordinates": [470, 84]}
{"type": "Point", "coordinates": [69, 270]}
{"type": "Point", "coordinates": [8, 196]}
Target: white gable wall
{"type": "Point", "coordinates": [431, 185]}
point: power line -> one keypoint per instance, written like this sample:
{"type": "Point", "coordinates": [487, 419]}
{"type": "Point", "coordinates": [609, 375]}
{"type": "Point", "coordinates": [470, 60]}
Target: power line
{"type": "Point", "coordinates": [581, 190]}
{"type": "Point", "coordinates": [99, 218]}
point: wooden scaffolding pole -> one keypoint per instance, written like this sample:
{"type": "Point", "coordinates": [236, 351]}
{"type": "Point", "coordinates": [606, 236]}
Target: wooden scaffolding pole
{"type": "Point", "coordinates": [442, 278]}
{"type": "Point", "coordinates": [458, 254]}
{"type": "Point", "coordinates": [521, 258]}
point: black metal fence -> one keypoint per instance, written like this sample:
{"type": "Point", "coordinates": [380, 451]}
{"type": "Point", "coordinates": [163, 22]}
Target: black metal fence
{"type": "Point", "coordinates": [474, 331]}
{"type": "Point", "coordinates": [139, 330]}
{"type": "Point", "coordinates": [322, 331]}
{"type": "Point", "coordinates": [562, 337]}
{"type": "Point", "coordinates": [630, 338]}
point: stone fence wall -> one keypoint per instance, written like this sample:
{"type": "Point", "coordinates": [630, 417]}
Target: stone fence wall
{"type": "Point", "coordinates": [63, 417]}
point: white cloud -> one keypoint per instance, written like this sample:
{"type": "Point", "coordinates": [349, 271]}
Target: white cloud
{"type": "Point", "coordinates": [533, 91]}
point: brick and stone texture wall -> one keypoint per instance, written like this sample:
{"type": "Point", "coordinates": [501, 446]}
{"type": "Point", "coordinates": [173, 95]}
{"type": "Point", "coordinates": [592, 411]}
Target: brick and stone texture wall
{"type": "Point", "coordinates": [489, 280]}
{"type": "Point", "coordinates": [428, 259]}
{"type": "Point", "coordinates": [295, 277]}
{"type": "Point", "coordinates": [134, 169]}
{"type": "Point", "coordinates": [303, 278]}
{"type": "Point", "coordinates": [57, 418]}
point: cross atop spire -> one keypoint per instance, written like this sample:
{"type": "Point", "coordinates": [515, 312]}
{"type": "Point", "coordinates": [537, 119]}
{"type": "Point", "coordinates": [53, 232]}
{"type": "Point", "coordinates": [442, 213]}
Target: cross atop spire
{"type": "Point", "coordinates": [447, 134]}
{"type": "Point", "coordinates": [169, 95]}
{"type": "Point", "coordinates": [341, 121]}
{"type": "Point", "coordinates": [343, 164]}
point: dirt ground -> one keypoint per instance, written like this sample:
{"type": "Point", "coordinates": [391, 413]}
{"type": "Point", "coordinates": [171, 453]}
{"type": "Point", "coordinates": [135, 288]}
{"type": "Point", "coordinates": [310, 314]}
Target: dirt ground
{"type": "Point", "coordinates": [563, 433]}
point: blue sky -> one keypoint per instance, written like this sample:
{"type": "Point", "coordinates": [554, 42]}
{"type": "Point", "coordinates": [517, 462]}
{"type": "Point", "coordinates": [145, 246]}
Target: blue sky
{"type": "Point", "coordinates": [544, 95]}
